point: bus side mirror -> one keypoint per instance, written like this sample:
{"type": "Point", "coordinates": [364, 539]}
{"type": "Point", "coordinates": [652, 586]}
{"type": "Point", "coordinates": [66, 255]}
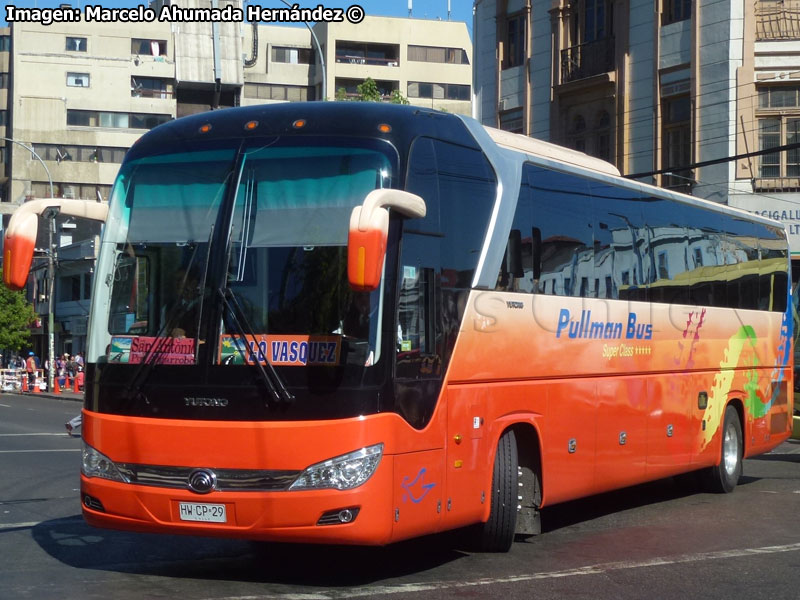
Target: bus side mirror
{"type": "Point", "coordinates": [18, 249]}
{"type": "Point", "coordinates": [23, 226]}
{"type": "Point", "coordinates": [369, 229]}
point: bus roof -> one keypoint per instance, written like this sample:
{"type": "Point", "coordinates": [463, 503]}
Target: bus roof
{"type": "Point", "coordinates": [528, 145]}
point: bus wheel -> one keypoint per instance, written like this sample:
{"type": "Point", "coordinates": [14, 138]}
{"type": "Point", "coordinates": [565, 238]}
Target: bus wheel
{"type": "Point", "coordinates": [724, 477]}
{"type": "Point", "coordinates": [497, 534]}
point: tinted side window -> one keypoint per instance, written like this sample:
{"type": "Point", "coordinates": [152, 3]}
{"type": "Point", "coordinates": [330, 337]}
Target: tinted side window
{"type": "Point", "coordinates": [579, 237]}
{"type": "Point", "coordinates": [741, 262]}
{"type": "Point", "coordinates": [619, 242]}
{"type": "Point", "coordinates": [773, 277]}
{"type": "Point", "coordinates": [440, 252]}
{"type": "Point", "coordinates": [562, 218]}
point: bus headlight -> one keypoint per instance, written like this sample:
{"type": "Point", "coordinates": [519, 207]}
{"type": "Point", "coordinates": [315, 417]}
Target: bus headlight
{"type": "Point", "coordinates": [341, 473]}
{"type": "Point", "coordinates": [97, 464]}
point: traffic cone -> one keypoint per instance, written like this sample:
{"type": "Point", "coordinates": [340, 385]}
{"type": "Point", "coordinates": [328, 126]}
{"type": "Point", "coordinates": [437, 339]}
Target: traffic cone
{"type": "Point", "coordinates": [36, 389]}
{"type": "Point", "coordinates": [75, 387]}
{"type": "Point", "coordinates": [24, 382]}
{"type": "Point", "coordinates": [56, 387]}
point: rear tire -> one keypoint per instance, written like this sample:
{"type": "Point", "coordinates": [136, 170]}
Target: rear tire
{"type": "Point", "coordinates": [497, 534]}
{"type": "Point", "coordinates": [724, 477]}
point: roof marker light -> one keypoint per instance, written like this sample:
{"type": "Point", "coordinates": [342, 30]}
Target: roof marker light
{"type": "Point", "coordinates": [205, 128]}
{"type": "Point", "coordinates": [250, 125]}
{"type": "Point", "coordinates": [384, 128]}
{"type": "Point", "coordinates": [299, 124]}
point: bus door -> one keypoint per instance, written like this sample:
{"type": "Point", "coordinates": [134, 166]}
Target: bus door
{"type": "Point", "coordinates": [469, 460]}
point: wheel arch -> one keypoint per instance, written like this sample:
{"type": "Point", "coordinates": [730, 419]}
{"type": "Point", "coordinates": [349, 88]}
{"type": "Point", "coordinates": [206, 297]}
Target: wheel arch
{"type": "Point", "coordinates": [526, 428]}
{"type": "Point", "coordinates": [737, 403]}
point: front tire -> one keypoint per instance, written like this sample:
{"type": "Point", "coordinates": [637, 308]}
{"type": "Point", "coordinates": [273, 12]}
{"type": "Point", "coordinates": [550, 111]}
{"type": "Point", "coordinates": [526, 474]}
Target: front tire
{"type": "Point", "coordinates": [497, 534]}
{"type": "Point", "coordinates": [724, 477]}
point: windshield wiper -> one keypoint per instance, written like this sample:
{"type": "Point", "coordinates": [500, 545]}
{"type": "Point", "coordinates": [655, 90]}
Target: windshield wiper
{"type": "Point", "coordinates": [268, 374]}
{"type": "Point", "coordinates": [176, 312]}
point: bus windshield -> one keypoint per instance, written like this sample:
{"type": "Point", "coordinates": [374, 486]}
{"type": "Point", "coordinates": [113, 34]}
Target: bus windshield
{"type": "Point", "coordinates": [287, 219]}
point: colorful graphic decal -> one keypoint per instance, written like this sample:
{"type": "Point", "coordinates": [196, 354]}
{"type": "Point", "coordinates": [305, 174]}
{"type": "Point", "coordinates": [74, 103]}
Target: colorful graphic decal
{"type": "Point", "coordinates": [157, 350]}
{"type": "Point", "coordinates": [280, 350]}
{"type": "Point", "coordinates": [417, 489]}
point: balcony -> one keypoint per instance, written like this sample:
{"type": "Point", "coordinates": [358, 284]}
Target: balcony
{"type": "Point", "coordinates": [777, 20]}
{"type": "Point", "coordinates": [587, 60]}
{"type": "Point", "coordinates": [776, 184]}
{"type": "Point", "coordinates": [360, 53]}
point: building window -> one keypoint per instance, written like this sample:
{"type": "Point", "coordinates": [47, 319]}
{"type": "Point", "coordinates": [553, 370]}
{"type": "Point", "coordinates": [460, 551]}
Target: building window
{"type": "Point", "coordinates": [76, 44]}
{"type": "Point", "coordinates": [41, 189]}
{"type": "Point", "coordinates": [69, 288]}
{"type": "Point", "coordinates": [455, 56]}
{"type": "Point", "coordinates": [115, 120]}
{"type": "Point", "coordinates": [4, 81]}
{"type": "Point", "coordinates": [779, 97]}
{"type": "Point", "coordinates": [594, 26]}
{"type": "Point", "coordinates": [511, 120]}
{"type": "Point", "coordinates": [676, 142]}
{"type": "Point", "coordinates": [294, 56]}
{"type": "Point", "coordinates": [676, 10]}
{"type": "Point", "coordinates": [360, 53]}
{"type": "Point", "coordinates": [150, 87]}
{"type": "Point", "coordinates": [149, 47]}
{"type": "Point", "coordinates": [514, 47]}
{"type": "Point", "coordinates": [3, 118]}
{"type": "Point", "coordinates": [577, 133]}
{"type": "Point", "coordinates": [272, 91]}
{"type": "Point", "coordinates": [779, 125]}
{"type": "Point", "coordinates": [438, 91]}
{"type": "Point", "coordinates": [602, 149]}
{"type": "Point", "coordinates": [772, 133]}
{"type": "Point", "coordinates": [96, 154]}
{"type": "Point", "coordinates": [2, 154]}
{"type": "Point", "coordinates": [78, 79]}
{"type": "Point", "coordinates": [348, 88]}
{"type": "Point", "coordinates": [5, 43]}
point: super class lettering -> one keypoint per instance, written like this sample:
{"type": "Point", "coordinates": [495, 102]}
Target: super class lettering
{"type": "Point", "coordinates": [585, 327]}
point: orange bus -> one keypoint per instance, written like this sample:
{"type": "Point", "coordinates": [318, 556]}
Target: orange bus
{"type": "Point", "coordinates": [360, 323]}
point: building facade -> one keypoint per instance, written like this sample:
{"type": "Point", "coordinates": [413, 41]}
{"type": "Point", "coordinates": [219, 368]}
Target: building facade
{"type": "Point", "coordinates": [427, 62]}
{"type": "Point", "coordinates": [668, 90]}
{"type": "Point", "coordinates": [75, 96]}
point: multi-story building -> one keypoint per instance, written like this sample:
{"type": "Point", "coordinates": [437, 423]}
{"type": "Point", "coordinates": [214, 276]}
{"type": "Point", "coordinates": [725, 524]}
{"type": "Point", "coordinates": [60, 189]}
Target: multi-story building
{"type": "Point", "coordinates": [75, 96]}
{"type": "Point", "coordinates": [670, 90]}
{"type": "Point", "coordinates": [428, 62]}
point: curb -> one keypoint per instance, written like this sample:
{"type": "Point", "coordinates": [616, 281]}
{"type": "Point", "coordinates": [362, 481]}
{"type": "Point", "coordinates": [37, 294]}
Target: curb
{"type": "Point", "coordinates": [61, 396]}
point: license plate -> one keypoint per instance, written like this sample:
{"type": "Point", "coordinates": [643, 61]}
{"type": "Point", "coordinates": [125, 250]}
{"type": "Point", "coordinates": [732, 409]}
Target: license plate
{"type": "Point", "coordinates": [198, 511]}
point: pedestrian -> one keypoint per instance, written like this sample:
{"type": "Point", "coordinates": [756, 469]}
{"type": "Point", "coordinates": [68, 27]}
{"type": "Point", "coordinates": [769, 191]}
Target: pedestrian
{"type": "Point", "coordinates": [79, 359]}
{"type": "Point", "coordinates": [30, 369]}
{"type": "Point", "coordinates": [72, 368]}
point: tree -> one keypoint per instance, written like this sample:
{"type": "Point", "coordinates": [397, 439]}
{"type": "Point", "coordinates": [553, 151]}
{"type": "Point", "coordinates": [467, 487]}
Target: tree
{"type": "Point", "coordinates": [16, 317]}
{"type": "Point", "coordinates": [368, 92]}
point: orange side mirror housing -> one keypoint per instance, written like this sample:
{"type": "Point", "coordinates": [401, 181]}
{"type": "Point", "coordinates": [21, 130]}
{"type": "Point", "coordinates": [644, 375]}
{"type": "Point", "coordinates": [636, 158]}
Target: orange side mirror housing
{"type": "Point", "coordinates": [18, 251]}
{"type": "Point", "coordinates": [369, 230]}
{"type": "Point", "coordinates": [23, 226]}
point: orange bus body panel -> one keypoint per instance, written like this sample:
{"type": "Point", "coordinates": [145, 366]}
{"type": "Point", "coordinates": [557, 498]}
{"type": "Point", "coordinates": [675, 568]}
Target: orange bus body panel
{"type": "Point", "coordinates": [620, 398]}
{"type": "Point", "coordinates": [275, 515]}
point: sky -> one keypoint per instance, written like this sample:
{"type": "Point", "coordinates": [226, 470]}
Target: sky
{"type": "Point", "coordinates": [460, 10]}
